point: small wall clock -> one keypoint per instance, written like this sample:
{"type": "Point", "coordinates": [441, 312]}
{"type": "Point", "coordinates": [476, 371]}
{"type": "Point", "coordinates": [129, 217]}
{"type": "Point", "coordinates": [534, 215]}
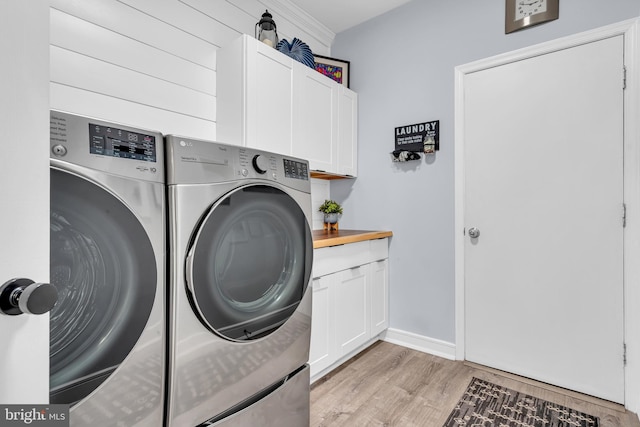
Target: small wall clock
{"type": "Point", "coordinates": [526, 13]}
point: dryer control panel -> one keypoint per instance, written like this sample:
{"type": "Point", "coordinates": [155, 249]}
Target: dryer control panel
{"type": "Point", "coordinates": [296, 170]}
{"type": "Point", "coordinates": [192, 161]}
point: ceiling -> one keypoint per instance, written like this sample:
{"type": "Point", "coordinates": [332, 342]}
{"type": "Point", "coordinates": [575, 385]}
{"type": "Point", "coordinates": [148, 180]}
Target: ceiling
{"type": "Point", "coordinates": [340, 15]}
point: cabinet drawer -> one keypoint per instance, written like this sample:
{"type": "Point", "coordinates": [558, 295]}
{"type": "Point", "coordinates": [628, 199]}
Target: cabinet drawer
{"type": "Point", "coordinates": [379, 249]}
{"type": "Point", "coordinates": [337, 258]}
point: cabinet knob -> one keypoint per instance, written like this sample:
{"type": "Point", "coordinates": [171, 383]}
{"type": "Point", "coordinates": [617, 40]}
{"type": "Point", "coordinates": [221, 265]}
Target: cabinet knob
{"type": "Point", "coordinates": [22, 295]}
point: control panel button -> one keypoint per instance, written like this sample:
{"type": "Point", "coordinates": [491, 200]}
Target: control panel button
{"type": "Point", "coordinates": [260, 164]}
{"type": "Point", "coordinates": [59, 150]}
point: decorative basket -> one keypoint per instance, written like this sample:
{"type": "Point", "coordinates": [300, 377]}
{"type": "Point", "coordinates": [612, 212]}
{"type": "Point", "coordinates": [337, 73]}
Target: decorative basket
{"type": "Point", "coordinates": [297, 50]}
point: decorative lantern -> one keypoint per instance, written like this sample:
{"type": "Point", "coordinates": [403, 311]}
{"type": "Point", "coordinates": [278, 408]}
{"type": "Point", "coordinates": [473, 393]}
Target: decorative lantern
{"type": "Point", "coordinates": [267, 32]}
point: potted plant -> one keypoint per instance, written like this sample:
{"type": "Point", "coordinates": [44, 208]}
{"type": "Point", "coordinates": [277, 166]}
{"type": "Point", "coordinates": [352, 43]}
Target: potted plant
{"type": "Point", "coordinates": [332, 212]}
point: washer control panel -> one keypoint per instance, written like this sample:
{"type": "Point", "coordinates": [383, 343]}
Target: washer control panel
{"type": "Point", "coordinates": [125, 144]}
{"type": "Point", "coordinates": [113, 148]}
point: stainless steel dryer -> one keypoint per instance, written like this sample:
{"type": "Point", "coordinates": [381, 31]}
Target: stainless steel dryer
{"type": "Point", "coordinates": [107, 336]}
{"type": "Point", "coordinates": [240, 302]}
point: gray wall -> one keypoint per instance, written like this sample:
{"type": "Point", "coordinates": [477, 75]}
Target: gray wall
{"type": "Point", "coordinates": [402, 66]}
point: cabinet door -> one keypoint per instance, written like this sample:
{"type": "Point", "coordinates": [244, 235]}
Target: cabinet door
{"type": "Point", "coordinates": [347, 144]}
{"type": "Point", "coordinates": [352, 312]}
{"type": "Point", "coordinates": [269, 113]}
{"type": "Point", "coordinates": [379, 296]}
{"type": "Point", "coordinates": [323, 347]}
{"type": "Point", "coordinates": [315, 119]}
{"type": "Point", "coordinates": [254, 96]}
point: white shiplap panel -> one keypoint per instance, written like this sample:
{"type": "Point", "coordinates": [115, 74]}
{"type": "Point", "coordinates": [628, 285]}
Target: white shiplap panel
{"type": "Point", "coordinates": [75, 70]}
{"type": "Point", "coordinates": [190, 20]}
{"type": "Point", "coordinates": [91, 40]}
{"type": "Point", "coordinates": [151, 60]}
{"type": "Point", "coordinates": [253, 9]}
{"type": "Point", "coordinates": [224, 11]}
{"type": "Point", "coordinates": [130, 22]}
{"type": "Point", "coordinates": [107, 108]}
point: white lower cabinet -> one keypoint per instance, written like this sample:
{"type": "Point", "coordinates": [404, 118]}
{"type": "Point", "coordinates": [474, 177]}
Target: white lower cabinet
{"type": "Point", "coordinates": [379, 272]}
{"type": "Point", "coordinates": [323, 348]}
{"type": "Point", "coordinates": [350, 302]}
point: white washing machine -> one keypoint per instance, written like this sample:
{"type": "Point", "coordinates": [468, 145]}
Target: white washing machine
{"type": "Point", "coordinates": [240, 302]}
{"type": "Point", "coordinates": [107, 339]}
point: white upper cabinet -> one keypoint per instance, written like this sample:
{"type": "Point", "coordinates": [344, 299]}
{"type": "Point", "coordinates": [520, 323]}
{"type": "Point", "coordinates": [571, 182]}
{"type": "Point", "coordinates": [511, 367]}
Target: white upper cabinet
{"type": "Point", "coordinates": [347, 144]}
{"type": "Point", "coordinates": [255, 96]}
{"type": "Point", "coordinates": [315, 118]}
{"type": "Point", "coordinates": [267, 100]}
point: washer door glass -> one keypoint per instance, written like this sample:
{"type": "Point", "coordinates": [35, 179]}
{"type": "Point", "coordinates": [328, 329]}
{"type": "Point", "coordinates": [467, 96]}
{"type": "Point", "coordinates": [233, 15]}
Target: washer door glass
{"type": "Point", "coordinates": [250, 262]}
{"type": "Point", "coordinates": [103, 266]}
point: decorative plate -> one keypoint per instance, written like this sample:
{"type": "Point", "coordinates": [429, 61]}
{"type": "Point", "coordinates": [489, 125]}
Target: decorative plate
{"type": "Point", "coordinates": [297, 50]}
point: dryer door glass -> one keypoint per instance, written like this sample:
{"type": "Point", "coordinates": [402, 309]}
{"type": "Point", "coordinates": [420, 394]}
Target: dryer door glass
{"type": "Point", "coordinates": [103, 266]}
{"type": "Point", "coordinates": [250, 262]}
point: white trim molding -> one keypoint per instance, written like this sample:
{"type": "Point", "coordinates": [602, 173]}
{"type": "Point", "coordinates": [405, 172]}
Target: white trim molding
{"type": "Point", "coordinates": [630, 31]}
{"type": "Point", "coordinates": [292, 12]}
{"type": "Point", "coordinates": [421, 343]}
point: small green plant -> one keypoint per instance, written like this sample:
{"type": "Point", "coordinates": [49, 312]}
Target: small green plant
{"type": "Point", "coordinates": [330, 206]}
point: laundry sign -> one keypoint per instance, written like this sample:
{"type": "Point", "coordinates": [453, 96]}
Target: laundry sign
{"type": "Point", "coordinates": [420, 137]}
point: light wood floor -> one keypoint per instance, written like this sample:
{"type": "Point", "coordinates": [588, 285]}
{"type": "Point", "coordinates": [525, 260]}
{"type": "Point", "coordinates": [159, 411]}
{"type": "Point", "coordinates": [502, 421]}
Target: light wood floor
{"type": "Point", "coordinates": [389, 385]}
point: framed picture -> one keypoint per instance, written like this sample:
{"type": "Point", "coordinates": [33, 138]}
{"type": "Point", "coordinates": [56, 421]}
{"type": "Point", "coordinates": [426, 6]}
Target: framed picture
{"type": "Point", "coordinates": [523, 14]}
{"type": "Point", "coordinates": [336, 69]}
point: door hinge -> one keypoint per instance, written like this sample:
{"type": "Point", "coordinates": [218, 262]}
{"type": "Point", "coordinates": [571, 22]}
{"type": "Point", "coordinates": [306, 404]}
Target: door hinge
{"type": "Point", "coordinates": [624, 77]}
{"type": "Point", "coordinates": [624, 354]}
{"type": "Point", "coordinates": [624, 215]}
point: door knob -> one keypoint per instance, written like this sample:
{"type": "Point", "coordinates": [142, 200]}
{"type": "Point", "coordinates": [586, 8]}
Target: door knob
{"type": "Point", "coordinates": [474, 232]}
{"type": "Point", "coordinates": [21, 295]}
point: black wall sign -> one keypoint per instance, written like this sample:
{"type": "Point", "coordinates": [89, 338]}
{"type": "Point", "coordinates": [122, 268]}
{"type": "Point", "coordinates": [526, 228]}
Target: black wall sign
{"type": "Point", "coordinates": [421, 137]}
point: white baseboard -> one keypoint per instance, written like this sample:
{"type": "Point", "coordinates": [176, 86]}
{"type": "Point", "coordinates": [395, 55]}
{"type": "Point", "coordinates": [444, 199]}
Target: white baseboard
{"type": "Point", "coordinates": [421, 343]}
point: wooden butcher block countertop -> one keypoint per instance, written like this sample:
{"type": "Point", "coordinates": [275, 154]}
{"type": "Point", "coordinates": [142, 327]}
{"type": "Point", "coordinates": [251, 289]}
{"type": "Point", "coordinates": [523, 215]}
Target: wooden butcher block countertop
{"type": "Point", "coordinates": [323, 239]}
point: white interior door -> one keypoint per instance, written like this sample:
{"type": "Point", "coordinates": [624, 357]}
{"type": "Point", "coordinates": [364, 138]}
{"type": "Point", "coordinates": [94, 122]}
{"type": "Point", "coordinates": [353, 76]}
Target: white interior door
{"type": "Point", "coordinates": [543, 185]}
{"type": "Point", "coordinates": [24, 194]}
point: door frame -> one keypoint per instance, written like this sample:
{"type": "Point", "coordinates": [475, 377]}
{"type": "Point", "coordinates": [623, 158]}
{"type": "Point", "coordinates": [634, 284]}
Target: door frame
{"type": "Point", "coordinates": [24, 363]}
{"type": "Point", "coordinates": [630, 30]}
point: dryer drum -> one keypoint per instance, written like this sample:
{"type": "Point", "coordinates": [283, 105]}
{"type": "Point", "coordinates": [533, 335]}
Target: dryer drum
{"type": "Point", "coordinates": [250, 262]}
{"type": "Point", "coordinates": [103, 267]}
